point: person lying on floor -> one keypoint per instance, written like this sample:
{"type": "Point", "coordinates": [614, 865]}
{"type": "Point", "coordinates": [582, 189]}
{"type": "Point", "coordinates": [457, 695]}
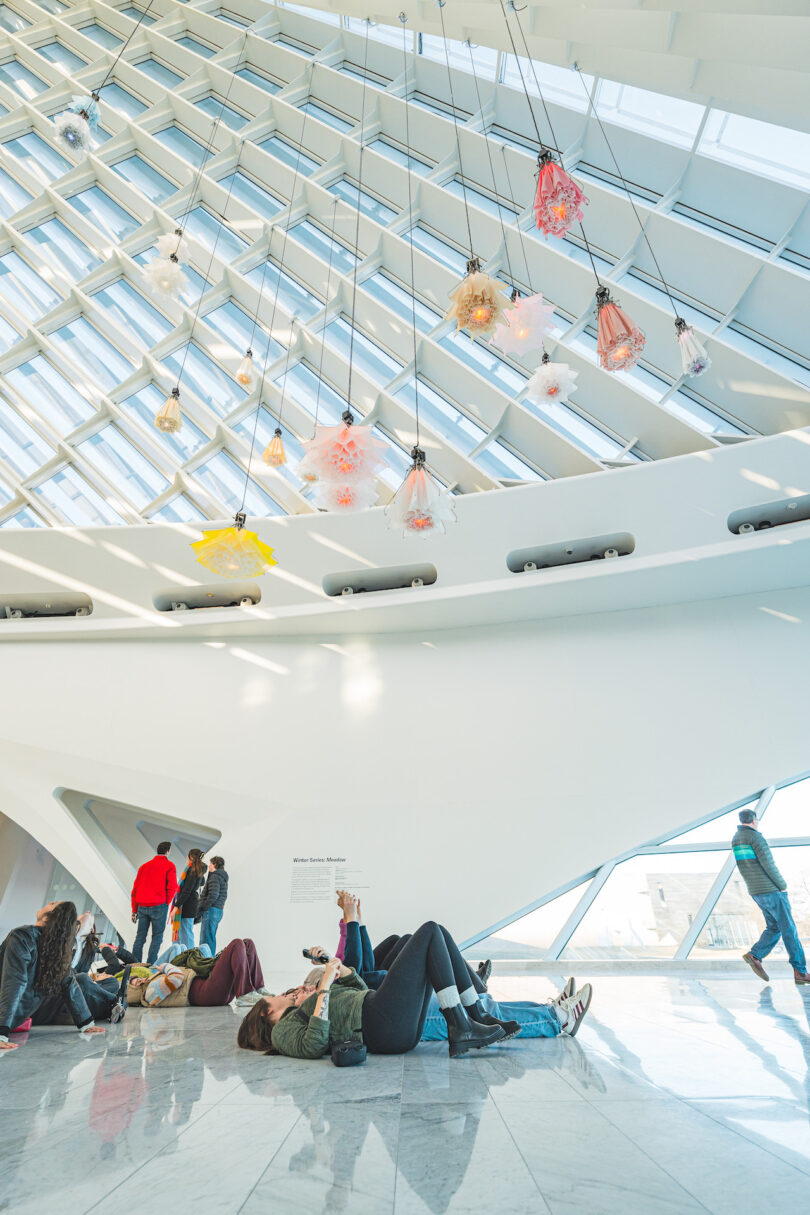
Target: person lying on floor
{"type": "Point", "coordinates": [389, 1021]}
{"type": "Point", "coordinates": [562, 1015]}
{"type": "Point", "coordinates": [196, 980]}
{"type": "Point", "coordinates": [36, 979]}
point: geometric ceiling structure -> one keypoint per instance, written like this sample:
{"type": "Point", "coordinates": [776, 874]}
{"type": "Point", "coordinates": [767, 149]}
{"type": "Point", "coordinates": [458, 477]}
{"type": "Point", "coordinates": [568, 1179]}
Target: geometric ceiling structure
{"type": "Point", "coordinates": [278, 228]}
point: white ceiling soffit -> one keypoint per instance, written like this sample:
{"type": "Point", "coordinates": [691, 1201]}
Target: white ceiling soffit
{"type": "Point", "coordinates": [749, 58]}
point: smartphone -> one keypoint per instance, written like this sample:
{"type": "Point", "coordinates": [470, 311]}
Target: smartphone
{"type": "Point", "coordinates": [320, 958]}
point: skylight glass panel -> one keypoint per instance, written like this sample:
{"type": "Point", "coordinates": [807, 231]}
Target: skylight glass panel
{"type": "Point", "coordinates": [667, 118]}
{"type": "Point", "coordinates": [225, 481]}
{"type": "Point", "coordinates": [478, 199]}
{"type": "Point", "coordinates": [265, 426]}
{"type": "Point", "coordinates": [8, 335]}
{"type": "Point", "coordinates": [63, 249]}
{"type": "Point", "coordinates": [484, 360]}
{"type": "Point", "coordinates": [389, 34]}
{"type": "Point", "coordinates": [42, 162]}
{"type": "Point", "coordinates": [24, 518]}
{"type": "Point", "coordinates": [74, 501]}
{"type": "Point", "coordinates": [91, 352]}
{"type": "Point", "coordinates": [379, 366]}
{"type": "Point", "coordinates": [245, 190]}
{"type": "Point", "coordinates": [401, 157]}
{"type": "Point", "coordinates": [760, 147]}
{"type": "Point", "coordinates": [5, 494]}
{"type": "Point", "coordinates": [200, 375]}
{"type": "Point", "coordinates": [216, 108]}
{"type": "Point", "coordinates": [11, 21]}
{"type": "Point", "coordinates": [60, 56]}
{"type": "Point", "coordinates": [312, 238]}
{"type": "Point", "coordinates": [258, 79]}
{"type": "Point", "coordinates": [108, 216]}
{"type": "Point", "coordinates": [134, 314]}
{"type": "Point", "coordinates": [289, 155]}
{"type": "Point", "coordinates": [239, 332]}
{"type": "Point", "coordinates": [213, 235]}
{"type": "Point", "coordinates": [182, 145]}
{"type": "Point", "coordinates": [123, 466]}
{"type": "Point", "coordinates": [400, 301]}
{"type": "Point", "coordinates": [302, 385]}
{"type": "Point", "coordinates": [55, 7]}
{"type": "Point", "coordinates": [438, 249]}
{"type": "Point", "coordinates": [178, 510]}
{"type": "Point", "coordinates": [12, 195]}
{"type": "Point", "coordinates": [101, 35]}
{"type": "Point", "coordinates": [21, 79]}
{"type": "Point", "coordinates": [289, 45]}
{"type": "Point", "coordinates": [144, 177]}
{"type": "Point", "coordinates": [23, 289]}
{"type": "Point", "coordinates": [500, 462]}
{"type": "Point", "coordinates": [40, 385]}
{"type": "Point", "coordinates": [564, 85]}
{"type": "Point", "coordinates": [315, 13]}
{"type": "Point", "coordinates": [232, 19]}
{"type": "Point", "coordinates": [460, 56]}
{"type": "Point", "coordinates": [23, 448]}
{"type": "Point", "coordinates": [436, 411]}
{"type": "Point", "coordinates": [122, 101]}
{"type": "Point", "coordinates": [138, 14]}
{"type": "Point", "coordinates": [275, 284]}
{"type": "Point", "coordinates": [199, 48]}
{"type": "Point", "coordinates": [684, 406]}
{"type": "Point", "coordinates": [572, 426]}
{"type": "Point", "coordinates": [141, 407]}
{"type": "Point", "coordinates": [327, 116]}
{"type": "Point", "coordinates": [159, 72]}
{"type": "Point", "coordinates": [351, 193]}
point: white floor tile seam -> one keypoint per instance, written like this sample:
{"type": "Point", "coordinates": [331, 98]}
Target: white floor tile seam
{"type": "Point", "coordinates": [546, 1208]}
{"type": "Point", "coordinates": [268, 1165]}
{"type": "Point", "coordinates": [801, 1169]}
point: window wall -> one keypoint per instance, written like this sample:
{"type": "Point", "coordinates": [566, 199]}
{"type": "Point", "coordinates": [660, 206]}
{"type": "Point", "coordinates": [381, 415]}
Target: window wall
{"type": "Point", "coordinates": [673, 899]}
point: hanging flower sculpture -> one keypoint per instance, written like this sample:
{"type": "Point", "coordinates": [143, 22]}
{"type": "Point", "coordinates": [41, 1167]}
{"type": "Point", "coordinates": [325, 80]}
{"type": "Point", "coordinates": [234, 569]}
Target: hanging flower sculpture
{"type": "Point", "coordinates": [523, 325]}
{"type": "Point", "coordinates": [344, 460]}
{"type": "Point", "coordinates": [552, 382]}
{"type": "Point", "coordinates": [233, 552]}
{"type": "Point", "coordinates": [274, 453]}
{"type": "Point", "coordinates": [559, 201]}
{"type": "Point", "coordinates": [246, 372]}
{"type": "Point", "coordinates": [694, 359]}
{"type": "Point", "coordinates": [169, 418]}
{"type": "Point", "coordinates": [420, 506]}
{"type": "Point", "coordinates": [76, 124]}
{"type": "Point", "coordinates": [173, 244]}
{"type": "Point", "coordinates": [620, 342]}
{"type": "Point", "coordinates": [478, 301]}
{"type": "Point", "coordinates": [164, 276]}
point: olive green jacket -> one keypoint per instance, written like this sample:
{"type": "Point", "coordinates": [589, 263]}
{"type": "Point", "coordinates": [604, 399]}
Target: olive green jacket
{"type": "Point", "coordinates": [303, 1036]}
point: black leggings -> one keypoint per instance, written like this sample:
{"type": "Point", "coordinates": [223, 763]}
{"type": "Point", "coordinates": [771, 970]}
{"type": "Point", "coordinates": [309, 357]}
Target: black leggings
{"type": "Point", "coordinates": [394, 1015]}
{"type": "Point", "coordinates": [391, 947]}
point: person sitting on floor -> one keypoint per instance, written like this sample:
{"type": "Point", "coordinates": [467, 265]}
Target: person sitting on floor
{"type": "Point", "coordinates": [199, 981]}
{"type": "Point", "coordinates": [36, 980]}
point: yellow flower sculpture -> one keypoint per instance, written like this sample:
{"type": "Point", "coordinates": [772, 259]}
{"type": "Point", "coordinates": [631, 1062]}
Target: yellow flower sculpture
{"type": "Point", "coordinates": [478, 301]}
{"type": "Point", "coordinates": [233, 552]}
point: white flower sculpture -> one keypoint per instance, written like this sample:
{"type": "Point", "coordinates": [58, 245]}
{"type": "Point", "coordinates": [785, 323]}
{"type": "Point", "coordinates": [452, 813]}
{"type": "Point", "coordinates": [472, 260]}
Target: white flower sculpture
{"type": "Point", "coordinates": [523, 325]}
{"type": "Point", "coordinates": [73, 132]}
{"type": "Point", "coordinates": [343, 460]}
{"type": "Point", "coordinates": [420, 507]}
{"type": "Point", "coordinates": [552, 382]}
{"type": "Point", "coordinates": [173, 243]}
{"type": "Point", "coordinates": [694, 357]}
{"type": "Point", "coordinates": [164, 277]}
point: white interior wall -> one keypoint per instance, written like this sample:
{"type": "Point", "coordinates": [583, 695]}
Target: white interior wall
{"type": "Point", "coordinates": [25, 873]}
{"type": "Point", "coordinates": [464, 772]}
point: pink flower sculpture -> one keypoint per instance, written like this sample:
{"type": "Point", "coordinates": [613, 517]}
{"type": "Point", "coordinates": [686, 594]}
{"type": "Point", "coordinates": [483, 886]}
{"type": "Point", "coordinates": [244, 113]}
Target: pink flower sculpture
{"type": "Point", "coordinates": [559, 201]}
{"type": "Point", "coordinates": [619, 341]}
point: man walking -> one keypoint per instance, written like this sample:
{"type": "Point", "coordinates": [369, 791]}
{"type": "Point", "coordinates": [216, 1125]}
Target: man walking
{"type": "Point", "coordinates": [154, 888]}
{"type": "Point", "coordinates": [768, 889]}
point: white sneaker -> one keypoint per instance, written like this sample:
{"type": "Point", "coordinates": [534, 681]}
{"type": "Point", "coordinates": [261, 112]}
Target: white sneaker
{"type": "Point", "coordinates": [572, 1009]}
{"type": "Point", "coordinates": [248, 999]}
{"type": "Point", "coordinates": [566, 993]}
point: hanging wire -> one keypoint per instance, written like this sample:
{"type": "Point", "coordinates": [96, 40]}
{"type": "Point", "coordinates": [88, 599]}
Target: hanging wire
{"type": "Point", "coordinates": [592, 102]}
{"type": "Point", "coordinates": [554, 143]}
{"type": "Point", "coordinates": [441, 4]}
{"type": "Point", "coordinates": [348, 419]}
{"type": "Point", "coordinates": [494, 179]}
{"type": "Point", "coordinates": [520, 232]}
{"type": "Point", "coordinates": [326, 305]}
{"type": "Point", "coordinates": [403, 18]}
{"type": "Point", "coordinates": [114, 65]}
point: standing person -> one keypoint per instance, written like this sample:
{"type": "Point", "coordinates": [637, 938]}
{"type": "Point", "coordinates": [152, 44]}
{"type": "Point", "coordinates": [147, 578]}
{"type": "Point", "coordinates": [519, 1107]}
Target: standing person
{"type": "Point", "coordinates": [187, 899]}
{"type": "Point", "coordinates": [154, 888]}
{"type": "Point", "coordinates": [768, 889]}
{"type": "Point", "coordinates": [36, 980]}
{"type": "Point", "coordinates": [212, 902]}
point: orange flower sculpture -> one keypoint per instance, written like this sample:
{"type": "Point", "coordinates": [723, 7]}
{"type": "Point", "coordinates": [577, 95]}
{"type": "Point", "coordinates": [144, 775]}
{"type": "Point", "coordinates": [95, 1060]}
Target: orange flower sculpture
{"type": "Point", "coordinates": [478, 302]}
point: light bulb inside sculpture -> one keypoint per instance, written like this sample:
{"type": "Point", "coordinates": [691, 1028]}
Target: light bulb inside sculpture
{"type": "Point", "coordinates": [478, 302]}
{"type": "Point", "coordinates": [245, 373]}
{"type": "Point", "coordinates": [551, 382]}
{"type": "Point", "coordinates": [559, 201]}
{"type": "Point", "coordinates": [420, 505]}
{"type": "Point", "coordinates": [274, 453]}
{"type": "Point", "coordinates": [481, 315]}
{"type": "Point", "coordinates": [168, 418]}
{"type": "Point", "coordinates": [619, 341]}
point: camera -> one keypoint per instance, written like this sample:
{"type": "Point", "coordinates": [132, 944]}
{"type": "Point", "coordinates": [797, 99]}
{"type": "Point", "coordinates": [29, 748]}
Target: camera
{"type": "Point", "coordinates": [320, 958]}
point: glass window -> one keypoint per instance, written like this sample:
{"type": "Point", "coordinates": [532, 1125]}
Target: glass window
{"type": "Point", "coordinates": [328, 116]}
{"type": "Point", "coordinates": [199, 48]}
{"type": "Point", "coordinates": [533, 934]}
{"type": "Point", "coordinates": [289, 45]}
{"type": "Point", "coordinates": [101, 35]}
{"type": "Point", "coordinates": [245, 190]}
{"type": "Point", "coordinates": [448, 421]}
{"type": "Point", "coordinates": [265, 426]}
{"type": "Point", "coordinates": [314, 13]}
{"type": "Point", "coordinates": [274, 282]}
{"type": "Point", "coordinates": [225, 481]}
{"type": "Point", "coordinates": [24, 518]}
{"type": "Point", "coordinates": [39, 384]}
{"type": "Point", "coordinates": [389, 34]}
{"type": "Point", "coordinates": [21, 79]}
{"type": "Point", "coordinates": [734, 924]}
{"type": "Point", "coordinates": [667, 118]}
{"type": "Point", "coordinates": [258, 79]}
{"type": "Point", "coordinates": [460, 55]}
{"type": "Point", "coordinates": [646, 906]}
{"type": "Point", "coordinates": [373, 78]}
{"type": "Point", "coordinates": [238, 329]}
{"type": "Point", "coordinates": [239, 22]}
{"type": "Point", "coordinates": [159, 72]}
{"type": "Point", "coordinates": [367, 355]}
{"type": "Point", "coordinates": [91, 352]}
{"type": "Point", "coordinates": [398, 461]}
{"type": "Point", "coordinates": [123, 466]}
{"type": "Point", "coordinates": [8, 335]}
{"type": "Point", "coordinates": [61, 57]}
{"type": "Point", "coordinates": [478, 199]}
{"type": "Point", "coordinates": [178, 510]}
{"type": "Point", "coordinates": [52, 6]}
{"type": "Point", "coordinates": [75, 502]}
{"type": "Point", "coordinates": [11, 21]}
{"type": "Point", "coordinates": [685, 406]}
{"type": "Point", "coordinates": [138, 14]}
{"type": "Point", "coordinates": [484, 360]}
{"type": "Point", "coordinates": [400, 157]}
{"type": "Point", "coordinates": [40, 159]}
{"type": "Point", "coordinates": [564, 85]}
{"type": "Point", "coordinates": [351, 193]}
{"type": "Point", "coordinates": [502, 463]}
{"type": "Point", "coordinates": [23, 289]}
{"type": "Point", "coordinates": [213, 235]}
{"type": "Point", "coordinates": [437, 249]}
{"type": "Point", "coordinates": [789, 811]}
{"type": "Point", "coordinates": [132, 312]}
{"type": "Point", "coordinates": [119, 99]}
{"type": "Point", "coordinates": [289, 155]}
{"type": "Point", "coordinates": [23, 448]}
{"type": "Point", "coordinates": [200, 375]}
{"type": "Point", "coordinates": [215, 108]}
{"type": "Point", "coordinates": [109, 217]}
{"type": "Point", "coordinates": [12, 195]}
{"type": "Point", "coordinates": [717, 830]}
{"type": "Point", "coordinates": [313, 238]}
{"type": "Point", "coordinates": [140, 174]}
{"type": "Point", "coordinates": [182, 145]}
{"type": "Point", "coordinates": [759, 147]}
{"type": "Point", "coordinates": [142, 406]}
{"type": "Point", "coordinates": [302, 385]}
{"type": "Point", "coordinates": [62, 248]}
{"type": "Point", "coordinates": [195, 284]}
{"type": "Point", "coordinates": [400, 301]}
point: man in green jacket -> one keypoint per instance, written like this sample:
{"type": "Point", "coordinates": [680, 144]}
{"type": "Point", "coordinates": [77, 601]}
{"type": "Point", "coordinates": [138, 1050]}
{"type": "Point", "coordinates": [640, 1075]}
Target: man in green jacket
{"type": "Point", "coordinates": [768, 889]}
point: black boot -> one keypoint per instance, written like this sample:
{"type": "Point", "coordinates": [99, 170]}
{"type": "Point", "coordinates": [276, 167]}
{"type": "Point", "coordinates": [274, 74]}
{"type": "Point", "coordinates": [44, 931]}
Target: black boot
{"type": "Point", "coordinates": [477, 1013]}
{"type": "Point", "coordinates": [464, 1034]}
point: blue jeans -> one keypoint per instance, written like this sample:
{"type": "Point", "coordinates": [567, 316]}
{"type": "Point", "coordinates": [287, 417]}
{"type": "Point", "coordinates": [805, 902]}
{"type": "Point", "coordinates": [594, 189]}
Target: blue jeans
{"type": "Point", "coordinates": [186, 934]}
{"type": "Point", "coordinates": [171, 952]}
{"type": "Point", "coordinates": [209, 923]}
{"type": "Point", "coordinates": [536, 1020]}
{"type": "Point", "coordinates": [154, 916]}
{"type": "Point", "coordinates": [778, 923]}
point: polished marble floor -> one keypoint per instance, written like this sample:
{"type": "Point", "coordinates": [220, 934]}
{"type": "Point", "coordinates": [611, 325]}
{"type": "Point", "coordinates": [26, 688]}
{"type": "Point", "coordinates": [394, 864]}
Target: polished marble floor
{"type": "Point", "coordinates": [680, 1095]}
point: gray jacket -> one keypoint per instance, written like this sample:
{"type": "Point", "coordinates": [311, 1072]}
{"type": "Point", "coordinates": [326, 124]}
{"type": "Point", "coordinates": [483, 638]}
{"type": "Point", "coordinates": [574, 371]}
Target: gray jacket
{"type": "Point", "coordinates": [18, 966]}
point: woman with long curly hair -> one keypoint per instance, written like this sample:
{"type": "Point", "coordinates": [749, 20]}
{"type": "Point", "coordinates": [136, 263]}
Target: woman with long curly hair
{"type": "Point", "coordinates": [36, 980]}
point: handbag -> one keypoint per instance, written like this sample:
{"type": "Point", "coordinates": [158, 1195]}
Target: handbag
{"type": "Point", "coordinates": [348, 1054]}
